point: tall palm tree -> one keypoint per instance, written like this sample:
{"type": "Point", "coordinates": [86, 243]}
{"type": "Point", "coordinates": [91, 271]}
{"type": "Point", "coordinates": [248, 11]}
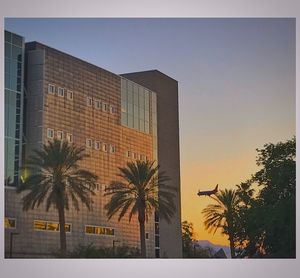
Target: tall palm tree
{"type": "Point", "coordinates": [138, 194]}
{"type": "Point", "coordinates": [56, 179]}
{"type": "Point", "coordinates": [223, 215]}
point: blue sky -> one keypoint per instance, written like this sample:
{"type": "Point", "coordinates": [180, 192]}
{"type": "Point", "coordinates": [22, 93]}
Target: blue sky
{"type": "Point", "coordinates": [236, 84]}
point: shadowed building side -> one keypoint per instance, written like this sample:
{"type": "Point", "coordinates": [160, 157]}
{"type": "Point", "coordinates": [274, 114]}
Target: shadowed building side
{"type": "Point", "coordinates": [166, 89]}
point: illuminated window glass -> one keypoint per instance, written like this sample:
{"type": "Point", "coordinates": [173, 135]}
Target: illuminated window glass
{"type": "Point", "coordinates": [69, 137]}
{"type": "Point", "coordinates": [50, 133]}
{"type": "Point", "coordinates": [52, 226]}
{"type": "Point", "coordinates": [51, 89]}
{"type": "Point", "coordinates": [40, 225]}
{"type": "Point", "coordinates": [49, 226]}
{"type": "Point", "coordinates": [61, 92]}
{"type": "Point", "coordinates": [10, 223]}
{"type": "Point", "coordinates": [98, 230]}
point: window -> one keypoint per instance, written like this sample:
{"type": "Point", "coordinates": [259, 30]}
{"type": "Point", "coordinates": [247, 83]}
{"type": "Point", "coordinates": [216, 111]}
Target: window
{"type": "Point", "coordinates": [104, 107]}
{"type": "Point", "coordinates": [70, 95]}
{"type": "Point", "coordinates": [98, 187]}
{"type": "Point", "coordinates": [147, 235]}
{"type": "Point", "coordinates": [60, 135]}
{"type": "Point", "coordinates": [98, 230]}
{"type": "Point", "coordinates": [51, 89]}
{"type": "Point", "coordinates": [89, 143]}
{"type": "Point", "coordinates": [143, 157]}
{"type": "Point", "coordinates": [112, 109]}
{"type": "Point", "coordinates": [61, 92]}
{"type": "Point", "coordinates": [97, 104]}
{"type": "Point", "coordinates": [41, 225]}
{"type": "Point", "coordinates": [97, 145]}
{"type": "Point", "coordinates": [112, 148]}
{"type": "Point", "coordinates": [69, 137]}
{"type": "Point", "coordinates": [127, 153]}
{"type": "Point", "coordinates": [104, 147]}
{"type": "Point", "coordinates": [89, 101]}
{"type": "Point", "coordinates": [10, 223]}
{"type": "Point", "coordinates": [50, 133]}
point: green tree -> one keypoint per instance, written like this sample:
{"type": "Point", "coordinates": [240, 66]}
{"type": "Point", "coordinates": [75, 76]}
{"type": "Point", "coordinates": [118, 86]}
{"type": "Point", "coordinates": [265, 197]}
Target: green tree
{"type": "Point", "coordinates": [187, 230]}
{"type": "Point", "coordinates": [138, 194]}
{"type": "Point", "coordinates": [222, 215]}
{"type": "Point", "coordinates": [269, 221]}
{"type": "Point", "coordinates": [56, 179]}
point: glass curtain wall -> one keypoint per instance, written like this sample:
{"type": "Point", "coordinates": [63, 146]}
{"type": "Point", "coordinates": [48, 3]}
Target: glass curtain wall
{"type": "Point", "coordinates": [14, 64]}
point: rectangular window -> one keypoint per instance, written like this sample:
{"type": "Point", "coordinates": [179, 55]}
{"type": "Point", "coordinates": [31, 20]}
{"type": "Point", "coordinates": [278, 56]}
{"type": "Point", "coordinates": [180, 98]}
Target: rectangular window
{"type": "Point", "coordinates": [98, 230]}
{"type": "Point", "coordinates": [10, 223]}
{"type": "Point", "coordinates": [97, 104]}
{"type": "Point", "coordinates": [70, 95]}
{"type": "Point", "coordinates": [127, 154]}
{"type": "Point", "coordinates": [89, 101]}
{"type": "Point", "coordinates": [97, 145]}
{"type": "Point", "coordinates": [112, 109]}
{"type": "Point", "coordinates": [112, 149]}
{"type": "Point", "coordinates": [61, 92]}
{"type": "Point", "coordinates": [104, 107]}
{"type": "Point", "coordinates": [147, 235]}
{"type": "Point", "coordinates": [89, 143]}
{"type": "Point", "coordinates": [69, 137]}
{"type": "Point", "coordinates": [41, 225]}
{"type": "Point", "coordinates": [51, 89]}
{"type": "Point", "coordinates": [98, 187]}
{"type": "Point", "coordinates": [51, 226]}
{"type": "Point", "coordinates": [50, 133]}
{"type": "Point", "coordinates": [60, 135]}
{"type": "Point", "coordinates": [104, 147]}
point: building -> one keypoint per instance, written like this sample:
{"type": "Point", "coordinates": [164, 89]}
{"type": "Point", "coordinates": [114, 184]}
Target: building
{"type": "Point", "coordinates": [118, 120]}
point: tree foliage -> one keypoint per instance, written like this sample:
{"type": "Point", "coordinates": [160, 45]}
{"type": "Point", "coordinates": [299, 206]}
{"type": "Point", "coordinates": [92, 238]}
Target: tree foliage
{"type": "Point", "coordinates": [57, 181]}
{"type": "Point", "coordinates": [267, 222]}
{"type": "Point", "coordinates": [141, 191]}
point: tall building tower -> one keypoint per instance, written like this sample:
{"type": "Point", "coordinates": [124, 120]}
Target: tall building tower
{"type": "Point", "coordinates": [166, 89]}
{"type": "Point", "coordinates": [116, 120]}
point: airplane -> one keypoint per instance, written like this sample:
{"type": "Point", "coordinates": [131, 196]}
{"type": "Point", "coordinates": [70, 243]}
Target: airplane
{"type": "Point", "coordinates": [209, 192]}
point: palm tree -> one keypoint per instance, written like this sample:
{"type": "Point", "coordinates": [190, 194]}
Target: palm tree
{"type": "Point", "coordinates": [138, 194]}
{"type": "Point", "coordinates": [223, 215]}
{"type": "Point", "coordinates": [56, 179]}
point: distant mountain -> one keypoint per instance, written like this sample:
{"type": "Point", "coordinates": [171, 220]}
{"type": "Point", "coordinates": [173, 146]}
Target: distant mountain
{"type": "Point", "coordinates": [215, 247]}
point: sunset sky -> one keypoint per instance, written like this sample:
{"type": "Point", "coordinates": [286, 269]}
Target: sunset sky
{"type": "Point", "coordinates": [236, 86]}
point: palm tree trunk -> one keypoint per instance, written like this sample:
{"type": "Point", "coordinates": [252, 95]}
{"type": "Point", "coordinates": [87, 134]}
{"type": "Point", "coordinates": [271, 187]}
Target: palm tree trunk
{"type": "Point", "coordinates": [231, 246]}
{"type": "Point", "coordinates": [62, 230]}
{"type": "Point", "coordinates": [142, 233]}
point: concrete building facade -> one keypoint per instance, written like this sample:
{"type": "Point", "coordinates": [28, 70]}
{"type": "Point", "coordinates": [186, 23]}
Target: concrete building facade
{"type": "Point", "coordinates": [117, 120]}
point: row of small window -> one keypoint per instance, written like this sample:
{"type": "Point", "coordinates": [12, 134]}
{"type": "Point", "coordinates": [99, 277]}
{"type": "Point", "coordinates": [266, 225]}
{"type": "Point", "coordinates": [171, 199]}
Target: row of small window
{"type": "Point", "coordinates": [100, 105]}
{"type": "Point", "coordinates": [97, 145]}
{"type": "Point", "coordinates": [61, 92]}
{"type": "Point", "coordinates": [137, 156]}
{"type": "Point", "coordinates": [52, 226]}
{"type": "Point", "coordinates": [60, 135]}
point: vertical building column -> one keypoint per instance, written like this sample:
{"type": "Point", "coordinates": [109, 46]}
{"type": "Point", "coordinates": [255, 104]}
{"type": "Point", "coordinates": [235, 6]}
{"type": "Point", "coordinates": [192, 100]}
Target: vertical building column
{"type": "Point", "coordinates": [166, 89]}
